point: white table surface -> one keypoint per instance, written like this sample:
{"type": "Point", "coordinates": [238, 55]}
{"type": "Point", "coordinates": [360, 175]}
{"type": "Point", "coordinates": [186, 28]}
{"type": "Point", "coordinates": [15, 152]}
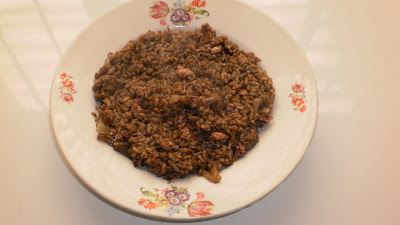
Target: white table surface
{"type": "Point", "coordinates": [349, 175]}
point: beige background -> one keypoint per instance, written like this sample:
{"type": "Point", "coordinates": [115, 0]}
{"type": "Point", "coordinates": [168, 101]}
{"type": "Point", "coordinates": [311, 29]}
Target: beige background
{"type": "Point", "coordinates": [349, 175]}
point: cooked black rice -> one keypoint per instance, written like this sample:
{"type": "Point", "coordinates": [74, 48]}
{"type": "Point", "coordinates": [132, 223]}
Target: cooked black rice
{"type": "Point", "coordinates": [182, 102]}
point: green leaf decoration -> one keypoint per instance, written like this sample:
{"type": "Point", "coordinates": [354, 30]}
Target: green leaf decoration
{"type": "Point", "coordinates": [202, 12]}
{"type": "Point", "coordinates": [183, 205]}
{"type": "Point", "coordinates": [147, 193]}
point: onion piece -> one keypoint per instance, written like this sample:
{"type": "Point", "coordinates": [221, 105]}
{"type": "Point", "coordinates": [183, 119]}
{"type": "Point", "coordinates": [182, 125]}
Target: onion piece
{"type": "Point", "coordinates": [213, 176]}
{"type": "Point", "coordinates": [102, 128]}
{"type": "Point", "coordinates": [121, 146]}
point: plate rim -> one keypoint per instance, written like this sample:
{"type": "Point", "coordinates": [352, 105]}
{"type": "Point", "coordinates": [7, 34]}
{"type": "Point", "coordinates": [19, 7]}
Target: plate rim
{"type": "Point", "coordinates": [98, 193]}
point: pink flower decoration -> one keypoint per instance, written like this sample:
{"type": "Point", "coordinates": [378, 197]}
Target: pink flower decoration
{"type": "Point", "coordinates": [298, 97]}
{"type": "Point", "coordinates": [163, 22]}
{"type": "Point", "coordinates": [180, 13]}
{"type": "Point", "coordinates": [67, 97]}
{"type": "Point", "coordinates": [191, 18]}
{"type": "Point", "coordinates": [200, 195]}
{"type": "Point", "coordinates": [298, 88]}
{"type": "Point", "coordinates": [164, 190]}
{"type": "Point", "coordinates": [175, 200]}
{"type": "Point", "coordinates": [67, 87]}
{"type": "Point", "coordinates": [200, 208]}
{"type": "Point", "coordinates": [159, 10]}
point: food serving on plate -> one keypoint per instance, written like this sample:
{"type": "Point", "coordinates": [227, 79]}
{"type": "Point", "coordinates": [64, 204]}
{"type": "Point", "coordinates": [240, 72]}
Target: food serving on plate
{"type": "Point", "coordinates": [182, 102]}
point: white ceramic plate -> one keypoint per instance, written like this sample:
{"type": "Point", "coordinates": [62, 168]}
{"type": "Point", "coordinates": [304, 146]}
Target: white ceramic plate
{"type": "Point", "coordinates": [113, 177]}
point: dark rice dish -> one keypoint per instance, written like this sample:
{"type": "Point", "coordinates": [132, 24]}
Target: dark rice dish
{"type": "Point", "coordinates": [182, 102]}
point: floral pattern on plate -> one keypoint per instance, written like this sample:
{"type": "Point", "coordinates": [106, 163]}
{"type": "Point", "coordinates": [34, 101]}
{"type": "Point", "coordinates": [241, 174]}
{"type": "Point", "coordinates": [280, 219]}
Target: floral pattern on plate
{"type": "Point", "coordinates": [174, 200]}
{"type": "Point", "coordinates": [298, 97]}
{"type": "Point", "coordinates": [67, 88]}
{"type": "Point", "coordinates": [180, 13]}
